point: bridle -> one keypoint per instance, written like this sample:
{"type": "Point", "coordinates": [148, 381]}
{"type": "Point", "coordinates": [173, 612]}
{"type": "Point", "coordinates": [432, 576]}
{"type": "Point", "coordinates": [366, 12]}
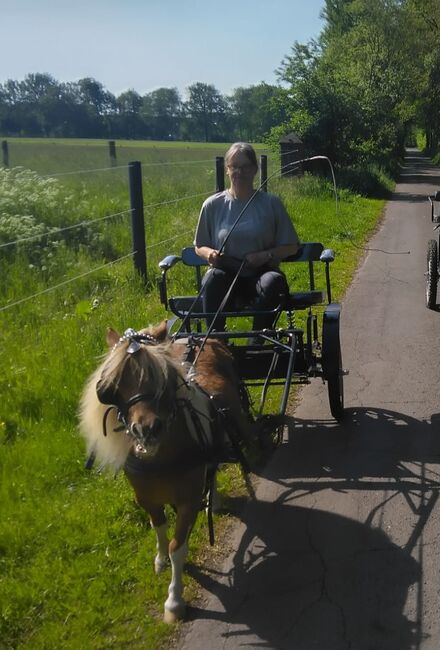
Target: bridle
{"type": "Point", "coordinates": [198, 418]}
{"type": "Point", "coordinates": [107, 395]}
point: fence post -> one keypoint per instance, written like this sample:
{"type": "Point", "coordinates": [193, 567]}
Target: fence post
{"type": "Point", "coordinates": [219, 174]}
{"type": "Point", "coordinates": [112, 152]}
{"type": "Point", "coordinates": [5, 153]}
{"type": "Point", "coordinates": [137, 218]}
{"type": "Point", "coordinates": [263, 173]}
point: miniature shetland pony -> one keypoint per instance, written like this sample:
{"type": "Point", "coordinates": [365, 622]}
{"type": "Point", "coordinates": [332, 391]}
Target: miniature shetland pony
{"type": "Point", "coordinates": [141, 412]}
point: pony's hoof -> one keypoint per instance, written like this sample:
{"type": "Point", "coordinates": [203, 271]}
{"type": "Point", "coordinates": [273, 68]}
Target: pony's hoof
{"type": "Point", "coordinates": [177, 614]}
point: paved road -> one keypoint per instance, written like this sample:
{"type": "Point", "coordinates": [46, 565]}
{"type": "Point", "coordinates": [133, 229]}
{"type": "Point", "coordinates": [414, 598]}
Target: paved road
{"type": "Point", "coordinates": [341, 549]}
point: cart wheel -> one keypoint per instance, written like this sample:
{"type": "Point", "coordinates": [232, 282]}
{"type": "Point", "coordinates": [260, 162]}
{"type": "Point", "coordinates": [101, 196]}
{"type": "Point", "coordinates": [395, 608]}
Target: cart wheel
{"type": "Point", "coordinates": [332, 360]}
{"type": "Point", "coordinates": [432, 274]}
{"type": "Point", "coordinates": [335, 385]}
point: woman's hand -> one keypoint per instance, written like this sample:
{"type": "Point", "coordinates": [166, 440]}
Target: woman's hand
{"type": "Point", "coordinates": [213, 258]}
{"type": "Point", "coordinates": [211, 255]}
{"type": "Point", "coordinates": [260, 258]}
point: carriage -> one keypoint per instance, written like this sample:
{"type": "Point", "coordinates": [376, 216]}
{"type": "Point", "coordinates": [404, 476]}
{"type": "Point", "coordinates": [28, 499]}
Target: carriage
{"type": "Point", "coordinates": [432, 255]}
{"type": "Point", "coordinates": [297, 349]}
{"type": "Point", "coordinates": [168, 405]}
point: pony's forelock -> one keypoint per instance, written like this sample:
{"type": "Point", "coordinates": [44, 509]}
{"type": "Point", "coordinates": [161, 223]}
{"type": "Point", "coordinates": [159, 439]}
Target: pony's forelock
{"type": "Point", "coordinates": [158, 373]}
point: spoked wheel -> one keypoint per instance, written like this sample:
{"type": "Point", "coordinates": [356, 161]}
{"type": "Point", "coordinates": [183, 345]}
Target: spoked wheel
{"type": "Point", "coordinates": [431, 274]}
{"type": "Point", "coordinates": [332, 360]}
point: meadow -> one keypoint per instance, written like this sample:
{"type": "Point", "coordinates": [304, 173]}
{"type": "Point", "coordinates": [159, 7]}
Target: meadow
{"type": "Point", "coordinates": [75, 550]}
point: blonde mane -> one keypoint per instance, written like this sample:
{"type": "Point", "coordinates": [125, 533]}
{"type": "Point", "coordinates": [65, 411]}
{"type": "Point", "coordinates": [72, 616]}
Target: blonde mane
{"type": "Point", "coordinates": [153, 367]}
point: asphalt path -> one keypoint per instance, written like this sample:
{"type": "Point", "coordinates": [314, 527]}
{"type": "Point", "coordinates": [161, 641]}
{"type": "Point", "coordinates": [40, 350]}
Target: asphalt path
{"type": "Point", "coordinates": [341, 550]}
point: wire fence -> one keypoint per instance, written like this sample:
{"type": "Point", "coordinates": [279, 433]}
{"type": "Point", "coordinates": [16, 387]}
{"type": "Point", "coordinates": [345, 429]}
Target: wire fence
{"type": "Point", "coordinates": [84, 223]}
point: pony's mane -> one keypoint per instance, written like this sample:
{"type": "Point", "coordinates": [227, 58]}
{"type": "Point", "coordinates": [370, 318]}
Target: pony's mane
{"type": "Point", "coordinates": [153, 366]}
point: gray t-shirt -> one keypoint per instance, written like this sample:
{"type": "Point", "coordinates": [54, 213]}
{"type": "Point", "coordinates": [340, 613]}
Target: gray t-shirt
{"type": "Point", "coordinates": [264, 224]}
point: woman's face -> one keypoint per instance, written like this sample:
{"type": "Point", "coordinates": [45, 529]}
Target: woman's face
{"type": "Point", "coordinates": [240, 169]}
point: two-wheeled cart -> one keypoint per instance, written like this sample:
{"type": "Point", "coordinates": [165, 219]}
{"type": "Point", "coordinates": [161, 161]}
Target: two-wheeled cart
{"type": "Point", "coordinates": [304, 342]}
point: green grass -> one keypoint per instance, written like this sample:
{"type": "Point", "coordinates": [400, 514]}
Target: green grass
{"type": "Point", "coordinates": [75, 551]}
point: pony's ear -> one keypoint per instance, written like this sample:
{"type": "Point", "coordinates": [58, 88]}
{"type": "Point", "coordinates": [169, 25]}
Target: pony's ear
{"type": "Point", "coordinates": [112, 337]}
{"type": "Point", "coordinates": [160, 332]}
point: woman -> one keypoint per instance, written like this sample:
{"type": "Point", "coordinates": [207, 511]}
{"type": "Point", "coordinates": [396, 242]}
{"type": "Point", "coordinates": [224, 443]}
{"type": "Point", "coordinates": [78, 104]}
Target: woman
{"type": "Point", "coordinates": [263, 236]}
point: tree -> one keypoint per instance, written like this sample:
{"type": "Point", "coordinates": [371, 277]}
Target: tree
{"type": "Point", "coordinates": [353, 90]}
{"type": "Point", "coordinates": [129, 120]}
{"type": "Point", "coordinates": [206, 110]}
{"type": "Point", "coordinates": [255, 110]}
{"type": "Point", "coordinates": [162, 111]}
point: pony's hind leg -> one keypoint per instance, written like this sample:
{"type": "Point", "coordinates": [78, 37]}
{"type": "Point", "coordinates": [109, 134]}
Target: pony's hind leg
{"type": "Point", "coordinates": [161, 561]}
{"type": "Point", "coordinates": [160, 526]}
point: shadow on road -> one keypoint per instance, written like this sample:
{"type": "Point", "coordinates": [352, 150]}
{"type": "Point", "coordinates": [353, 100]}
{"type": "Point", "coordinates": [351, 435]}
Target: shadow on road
{"type": "Point", "coordinates": [306, 578]}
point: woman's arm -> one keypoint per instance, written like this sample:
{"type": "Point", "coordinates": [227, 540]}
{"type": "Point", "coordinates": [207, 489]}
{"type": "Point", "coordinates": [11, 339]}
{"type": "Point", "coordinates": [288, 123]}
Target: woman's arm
{"type": "Point", "coordinates": [211, 255]}
{"type": "Point", "coordinates": [271, 256]}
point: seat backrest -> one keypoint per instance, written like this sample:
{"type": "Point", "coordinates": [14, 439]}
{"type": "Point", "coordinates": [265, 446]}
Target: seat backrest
{"type": "Point", "coordinates": [308, 252]}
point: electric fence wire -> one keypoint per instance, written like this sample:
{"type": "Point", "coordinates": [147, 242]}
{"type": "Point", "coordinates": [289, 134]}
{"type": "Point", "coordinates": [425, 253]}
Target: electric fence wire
{"type": "Point", "coordinates": [165, 241]}
{"type": "Point", "coordinates": [83, 171]}
{"type": "Point", "coordinates": [68, 281]}
{"type": "Point", "coordinates": [59, 230]}
{"type": "Point", "coordinates": [98, 219]}
{"type": "Point", "coordinates": [115, 167]}
{"type": "Point", "coordinates": [180, 198]}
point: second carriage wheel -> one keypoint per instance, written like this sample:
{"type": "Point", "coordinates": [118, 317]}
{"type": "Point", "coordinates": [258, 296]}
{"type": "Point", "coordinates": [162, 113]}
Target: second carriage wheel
{"type": "Point", "coordinates": [431, 274]}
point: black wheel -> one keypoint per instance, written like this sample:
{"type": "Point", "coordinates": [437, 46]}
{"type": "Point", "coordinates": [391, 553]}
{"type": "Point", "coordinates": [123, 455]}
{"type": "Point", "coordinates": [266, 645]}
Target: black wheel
{"type": "Point", "coordinates": [332, 360]}
{"type": "Point", "coordinates": [431, 274]}
{"type": "Point", "coordinates": [335, 385]}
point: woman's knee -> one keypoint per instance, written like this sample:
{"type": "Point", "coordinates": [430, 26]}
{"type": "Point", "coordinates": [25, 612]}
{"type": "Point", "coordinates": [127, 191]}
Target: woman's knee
{"type": "Point", "coordinates": [272, 285]}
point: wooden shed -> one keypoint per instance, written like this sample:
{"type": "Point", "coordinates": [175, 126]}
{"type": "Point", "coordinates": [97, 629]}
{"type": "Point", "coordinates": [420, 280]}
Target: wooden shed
{"type": "Point", "coordinates": [291, 150]}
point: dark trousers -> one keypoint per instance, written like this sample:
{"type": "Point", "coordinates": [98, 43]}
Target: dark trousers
{"type": "Point", "coordinates": [266, 290]}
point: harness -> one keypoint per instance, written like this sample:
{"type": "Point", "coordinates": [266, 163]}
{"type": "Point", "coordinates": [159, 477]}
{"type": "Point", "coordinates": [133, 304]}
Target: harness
{"type": "Point", "coordinates": [206, 425]}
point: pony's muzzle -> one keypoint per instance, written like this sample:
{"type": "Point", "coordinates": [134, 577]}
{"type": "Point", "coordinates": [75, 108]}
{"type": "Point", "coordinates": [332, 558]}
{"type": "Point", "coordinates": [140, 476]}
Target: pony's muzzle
{"type": "Point", "coordinates": [146, 434]}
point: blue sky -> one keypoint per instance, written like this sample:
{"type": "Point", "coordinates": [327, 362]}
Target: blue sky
{"type": "Point", "coordinates": [146, 44]}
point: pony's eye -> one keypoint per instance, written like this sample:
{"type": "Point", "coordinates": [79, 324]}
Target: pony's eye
{"type": "Point", "coordinates": [106, 393]}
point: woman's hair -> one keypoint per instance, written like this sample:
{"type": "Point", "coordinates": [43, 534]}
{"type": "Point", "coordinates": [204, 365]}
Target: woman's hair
{"type": "Point", "coordinates": [243, 147]}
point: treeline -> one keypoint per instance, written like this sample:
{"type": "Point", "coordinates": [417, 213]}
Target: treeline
{"type": "Point", "coordinates": [358, 93]}
{"type": "Point", "coordinates": [370, 82]}
{"type": "Point", "coordinates": [39, 105]}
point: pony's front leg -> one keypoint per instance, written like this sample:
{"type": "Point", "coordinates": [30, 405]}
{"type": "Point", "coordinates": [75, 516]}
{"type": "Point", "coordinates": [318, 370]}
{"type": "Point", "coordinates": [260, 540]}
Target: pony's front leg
{"type": "Point", "coordinates": [178, 550]}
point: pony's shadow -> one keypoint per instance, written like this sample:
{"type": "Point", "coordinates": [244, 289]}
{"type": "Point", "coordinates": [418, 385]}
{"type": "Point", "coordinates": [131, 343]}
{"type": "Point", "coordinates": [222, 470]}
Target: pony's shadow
{"type": "Point", "coordinates": [307, 578]}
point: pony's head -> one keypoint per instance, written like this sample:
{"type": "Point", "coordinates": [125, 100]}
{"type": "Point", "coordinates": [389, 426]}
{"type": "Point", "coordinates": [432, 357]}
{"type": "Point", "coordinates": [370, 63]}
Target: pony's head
{"type": "Point", "coordinates": [134, 389]}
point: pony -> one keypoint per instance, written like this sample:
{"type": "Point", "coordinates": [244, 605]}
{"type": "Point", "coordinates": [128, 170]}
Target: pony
{"type": "Point", "coordinates": [168, 430]}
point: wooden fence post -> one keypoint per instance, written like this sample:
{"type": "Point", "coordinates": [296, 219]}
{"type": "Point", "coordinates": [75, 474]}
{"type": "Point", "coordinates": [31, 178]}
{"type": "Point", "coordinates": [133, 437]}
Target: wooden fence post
{"type": "Point", "coordinates": [112, 152]}
{"type": "Point", "coordinates": [5, 151]}
{"type": "Point", "coordinates": [137, 218]}
{"type": "Point", "coordinates": [263, 173]}
{"type": "Point", "coordinates": [219, 174]}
